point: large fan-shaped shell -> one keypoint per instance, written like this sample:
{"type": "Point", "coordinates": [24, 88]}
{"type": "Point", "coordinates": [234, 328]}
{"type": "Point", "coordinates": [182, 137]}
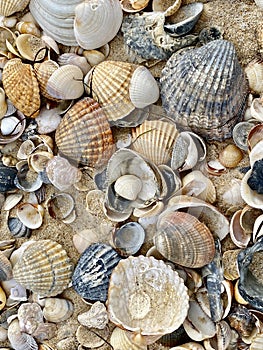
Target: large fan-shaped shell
{"type": "Point", "coordinates": [97, 22]}
{"type": "Point", "coordinates": [8, 7]}
{"type": "Point", "coordinates": [21, 87]}
{"type": "Point", "coordinates": [84, 134]}
{"type": "Point", "coordinates": [183, 239]}
{"type": "Point", "coordinates": [44, 268]}
{"type": "Point", "coordinates": [205, 89]}
{"type": "Point", "coordinates": [147, 296]}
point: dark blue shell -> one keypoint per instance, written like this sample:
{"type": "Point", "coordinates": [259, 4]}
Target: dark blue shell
{"type": "Point", "coordinates": [7, 176]}
{"type": "Point", "coordinates": [93, 270]}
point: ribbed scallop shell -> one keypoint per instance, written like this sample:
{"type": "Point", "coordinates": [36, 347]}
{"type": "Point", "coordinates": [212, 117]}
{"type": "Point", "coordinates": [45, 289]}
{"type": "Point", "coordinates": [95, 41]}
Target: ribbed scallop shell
{"type": "Point", "coordinates": [84, 134]}
{"type": "Point", "coordinates": [21, 87]}
{"type": "Point", "coordinates": [20, 340]}
{"type": "Point", "coordinates": [205, 89]}
{"type": "Point", "coordinates": [8, 7]}
{"type": "Point", "coordinates": [183, 239]}
{"type": "Point", "coordinates": [146, 296]}
{"type": "Point", "coordinates": [43, 72]}
{"type": "Point", "coordinates": [120, 340]}
{"type": "Point", "coordinates": [44, 268]}
{"type": "Point", "coordinates": [97, 23]}
{"type": "Point", "coordinates": [154, 139]}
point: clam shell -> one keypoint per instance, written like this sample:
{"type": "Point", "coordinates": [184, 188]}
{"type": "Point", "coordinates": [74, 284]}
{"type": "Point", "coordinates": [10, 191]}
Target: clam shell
{"type": "Point", "coordinates": [128, 187]}
{"type": "Point", "coordinates": [17, 228]}
{"type": "Point", "coordinates": [240, 134]}
{"type": "Point", "coordinates": [95, 24]}
{"type": "Point", "coordinates": [60, 205]}
{"type": "Point", "coordinates": [154, 139]}
{"type": "Point", "coordinates": [44, 268]}
{"type": "Point", "coordinates": [84, 134]}
{"type": "Point", "coordinates": [21, 87]}
{"type": "Point", "coordinates": [189, 346]}
{"type": "Point", "coordinates": [43, 72]}
{"type": "Point", "coordinates": [96, 317]}
{"type": "Point", "coordinates": [20, 340]}
{"type": "Point", "coordinates": [129, 238]}
{"type": "Point", "coordinates": [7, 177]}
{"type": "Point", "coordinates": [30, 215]}
{"type": "Point", "coordinates": [250, 196]}
{"type": "Point", "coordinates": [38, 160]}
{"type": "Point", "coordinates": [92, 273]}
{"type": "Point", "coordinates": [137, 286]}
{"type": "Point", "coordinates": [57, 309]}
{"type": "Point", "coordinates": [254, 72]}
{"type": "Point", "coordinates": [212, 116]}
{"type": "Point", "coordinates": [12, 127]}
{"type": "Point", "coordinates": [73, 58]}
{"type": "Point", "coordinates": [30, 47]}
{"type": "Point", "coordinates": [8, 7]}
{"type": "Point", "coordinates": [194, 249]}
{"type": "Point", "coordinates": [91, 338]}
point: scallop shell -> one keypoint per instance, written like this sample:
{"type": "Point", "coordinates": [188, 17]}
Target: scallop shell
{"type": "Point", "coordinates": [254, 72]}
{"type": "Point", "coordinates": [137, 286]}
{"type": "Point", "coordinates": [96, 317]}
{"type": "Point", "coordinates": [8, 7]}
{"type": "Point", "coordinates": [20, 340]}
{"type": "Point", "coordinates": [211, 115]}
{"type": "Point", "coordinates": [57, 309]}
{"type": "Point", "coordinates": [154, 139]}
{"type": "Point", "coordinates": [92, 273]}
{"type": "Point", "coordinates": [183, 239]}
{"type": "Point", "coordinates": [84, 134]}
{"type": "Point", "coordinates": [43, 72]}
{"type": "Point", "coordinates": [97, 23]}
{"type": "Point", "coordinates": [44, 268]}
{"type": "Point", "coordinates": [21, 87]}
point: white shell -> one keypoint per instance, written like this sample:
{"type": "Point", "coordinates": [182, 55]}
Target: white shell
{"type": "Point", "coordinates": [30, 215]}
{"type": "Point", "coordinates": [12, 200]}
{"type": "Point", "coordinates": [251, 197]}
{"type": "Point", "coordinates": [97, 22]}
{"type": "Point", "coordinates": [96, 317]}
{"type": "Point", "coordinates": [19, 340]}
{"type": "Point", "coordinates": [57, 309]}
{"type": "Point", "coordinates": [256, 109]}
{"type": "Point", "coordinates": [128, 186]}
{"type": "Point", "coordinates": [48, 120]}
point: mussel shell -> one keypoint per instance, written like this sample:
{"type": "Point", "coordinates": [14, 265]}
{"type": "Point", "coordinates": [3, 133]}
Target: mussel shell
{"type": "Point", "coordinates": [7, 177]}
{"type": "Point", "coordinates": [93, 270]}
{"type": "Point", "coordinates": [17, 228]}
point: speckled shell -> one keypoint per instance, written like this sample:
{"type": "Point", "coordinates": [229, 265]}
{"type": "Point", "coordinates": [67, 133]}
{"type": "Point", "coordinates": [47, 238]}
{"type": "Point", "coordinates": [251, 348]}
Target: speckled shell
{"type": "Point", "coordinates": [146, 296]}
{"type": "Point", "coordinates": [21, 87]}
{"type": "Point", "coordinates": [205, 89]}
{"type": "Point", "coordinates": [92, 273]}
{"type": "Point", "coordinates": [44, 268]}
{"type": "Point", "coordinates": [84, 134]}
{"type": "Point", "coordinates": [183, 239]}
{"type": "Point", "coordinates": [8, 7]}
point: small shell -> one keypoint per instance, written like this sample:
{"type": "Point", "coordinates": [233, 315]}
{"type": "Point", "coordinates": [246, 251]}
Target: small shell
{"type": "Point", "coordinates": [43, 72]}
{"type": "Point", "coordinates": [60, 205]}
{"type": "Point", "coordinates": [17, 228]}
{"type": "Point", "coordinates": [242, 320]}
{"type": "Point", "coordinates": [133, 5]}
{"type": "Point", "coordinates": [94, 57]}
{"type": "Point", "coordinates": [5, 268]}
{"type": "Point", "coordinates": [28, 28]}
{"type": "Point", "coordinates": [215, 168]}
{"type": "Point", "coordinates": [128, 186]}
{"type": "Point", "coordinates": [12, 127]}
{"type": "Point", "coordinates": [230, 156]}
{"type": "Point", "coordinates": [27, 179]}
{"type": "Point", "coordinates": [258, 228]}
{"type": "Point", "coordinates": [30, 215]}
{"type": "Point", "coordinates": [30, 47]}
{"type": "Point", "coordinates": [2, 298]}
{"type": "Point", "coordinates": [44, 268]}
{"type": "Point", "coordinates": [232, 194]}
{"type": "Point", "coordinates": [26, 148]}
{"type": "Point", "coordinates": [7, 8]}
{"type": "Point", "coordinates": [96, 317]}
{"type": "Point", "coordinates": [250, 196]}
{"type": "Point", "coordinates": [12, 200]}
{"type": "Point", "coordinates": [29, 316]}
{"type": "Point", "coordinates": [255, 136]}
{"type": "Point", "coordinates": [240, 134]}
{"type": "Point", "coordinates": [189, 346]}
{"type": "Point", "coordinates": [257, 109]}
{"type": "Point", "coordinates": [129, 238]}
{"type": "Point", "coordinates": [72, 58]}
{"type": "Point", "coordinates": [239, 236]}
{"type": "Point", "coordinates": [57, 309]}
{"type": "Point", "coordinates": [39, 160]}
{"type": "Point", "coordinates": [230, 264]}
{"type": "Point", "coordinates": [254, 72]}
{"type": "Point", "coordinates": [20, 340]}
{"type": "Point", "coordinates": [151, 283]}
{"type": "Point", "coordinates": [120, 340]}
{"type": "Point", "coordinates": [48, 120]}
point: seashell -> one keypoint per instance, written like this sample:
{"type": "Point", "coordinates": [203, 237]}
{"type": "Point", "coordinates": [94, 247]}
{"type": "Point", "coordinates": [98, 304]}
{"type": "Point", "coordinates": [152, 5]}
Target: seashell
{"type": "Point", "coordinates": [91, 338]}
{"type": "Point", "coordinates": [189, 346]}
{"type": "Point", "coordinates": [240, 134]}
{"type": "Point", "coordinates": [16, 88]}
{"type": "Point", "coordinates": [30, 47]}
{"type": "Point", "coordinates": [128, 187]}
{"type": "Point", "coordinates": [43, 72]}
{"type": "Point", "coordinates": [57, 309]}
{"type": "Point", "coordinates": [7, 177]}
{"type": "Point", "coordinates": [95, 24]}
{"type": "Point", "coordinates": [255, 136]}
{"type": "Point", "coordinates": [5, 268]}
{"type": "Point", "coordinates": [250, 196]}
{"type": "Point", "coordinates": [212, 120]}
{"type": "Point", "coordinates": [84, 134]}
{"type": "Point", "coordinates": [132, 305]}
{"type": "Point", "coordinates": [20, 340]}
{"type": "Point", "coordinates": [257, 342]}
{"type": "Point", "coordinates": [254, 72]}
{"type": "Point", "coordinates": [96, 317]}
{"type": "Point", "coordinates": [45, 331]}
{"type": "Point", "coordinates": [73, 58]}
{"type": "Point", "coordinates": [257, 228]}
{"type": "Point", "coordinates": [61, 173]}
{"type": "Point", "coordinates": [120, 340]}
{"type": "Point", "coordinates": [60, 205]}
{"type": "Point", "coordinates": [154, 139]}
{"type": "Point", "coordinates": [257, 109]}
{"type": "Point", "coordinates": [27, 179]}
{"type": "Point", "coordinates": [230, 267]}
{"type": "Point", "coordinates": [44, 268]}
{"type": "Point", "coordinates": [242, 320]}
{"type": "Point", "coordinates": [30, 215]}
{"type": "Point", "coordinates": [215, 168]}
{"type": "Point", "coordinates": [3, 103]}
{"type": "Point", "coordinates": [29, 316]}
{"type": "Point", "coordinates": [259, 3]}
{"type": "Point", "coordinates": [239, 236]}
{"type": "Point", "coordinates": [48, 120]}
{"type": "Point", "coordinates": [37, 161]}
{"type": "Point", "coordinates": [93, 57]}
{"type": "Point", "coordinates": [91, 275]}
{"type": "Point", "coordinates": [132, 6]}
{"type": "Point", "coordinates": [12, 127]}
{"type": "Point", "coordinates": [129, 238]}
{"type": "Point", "coordinates": [28, 28]}
{"type": "Point", "coordinates": [17, 228]}
{"type": "Point", "coordinates": [256, 153]}
{"type": "Point", "coordinates": [65, 83]}
{"type": "Point", "coordinates": [7, 7]}
{"type": "Point", "coordinates": [25, 149]}
{"type": "Point", "coordinates": [3, 336]}
{"type": "Point", "coordinates": [12, 200]}
{"type": "Point", "coordinates": [222, 338]}
{"type": "Point", "coordinates": [232, 194]}
{"type": "Point", "coordinates": [171, 241]}
{"type": "Point", "coordinates": [112, 83]}
{"type": "Point", "coordinates": [230, 156]}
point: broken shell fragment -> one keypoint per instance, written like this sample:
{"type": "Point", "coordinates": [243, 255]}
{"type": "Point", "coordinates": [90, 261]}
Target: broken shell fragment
{"type": "Point", "coordinates": [96, 317]}
{"type": "Point", "coordinates": [5, 268]}
{"type": "Point", "coordinates": [20, 340]}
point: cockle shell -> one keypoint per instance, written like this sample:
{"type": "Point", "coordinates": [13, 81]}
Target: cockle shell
{"type": "Point", "coordinates": [137, 286]}
{"type": "Point", "coordinates": [8, 7]}
{"type": "Point", "coordinates": [254, 72]}
{"type": "Point", "coordinates": [20, 340]}
{"type": "Point", "coordinates": [84, 134]}
{"type": "Point", "coordinates": [191, 104]}
{"type": "Point", "coordinates": [43, 72]}
{"type": "Point", "coordinates": [57, 309]}
{"type": "Point", "coordinates": [230, 156]}
{"type": "Point", "coordinates": [96, 317]}
{"type": "Point", "coordinates": [183, 239]}
{"type": "Point", "coordinates": [21, 87]}
{"type": "Point", "coordinates": [97, 23]}
{"type": "Point", "coordinates": [44, 268]}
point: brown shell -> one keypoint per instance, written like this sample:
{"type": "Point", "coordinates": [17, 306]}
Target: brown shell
{"type": "Point", "coordinates": [84, 134]}
{"type": "Point", "coordinates": [21, 87]}
{"type": "Point", "coordinates": [44, 268]}
{"type": "Point", "coordinates": [183, 239]}
{"type": "Point", "coordinates": [43, 72]}
{"type": "Point", "coordinates": [8, 7]}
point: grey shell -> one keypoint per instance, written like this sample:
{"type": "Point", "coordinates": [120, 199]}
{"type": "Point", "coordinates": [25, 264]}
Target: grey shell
{"type": "Point", "coordinates": [205, 89]}
{"type": "Point", "coordinates": [92, 273]}
{"type": "Point", "coordinates": [7, 177]}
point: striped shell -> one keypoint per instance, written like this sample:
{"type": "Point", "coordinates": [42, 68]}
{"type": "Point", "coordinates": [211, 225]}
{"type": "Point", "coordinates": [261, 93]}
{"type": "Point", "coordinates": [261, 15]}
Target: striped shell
{"type": "Point", "coordinates": [84, 134]}
{"type": "Point", "coordinates": [8, 7]}
{"type": "Point", "coordinates": [183, 239]}
{"type": "Point", "coordinates": [44, 268]}
{"type": "Point", "coordinates": [5, 268]}
{"type": "Point", "coordinates": [205, 89]}
{"type": "Point", "coordinates": [21, 87]}
{"type": "Point", "coordinates": [43, 72]}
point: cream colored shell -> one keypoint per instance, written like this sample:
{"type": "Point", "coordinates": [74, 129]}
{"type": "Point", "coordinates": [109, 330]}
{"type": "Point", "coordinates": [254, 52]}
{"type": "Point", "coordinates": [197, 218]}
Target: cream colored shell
{"type": "Point", "coordinates": [8, 7]}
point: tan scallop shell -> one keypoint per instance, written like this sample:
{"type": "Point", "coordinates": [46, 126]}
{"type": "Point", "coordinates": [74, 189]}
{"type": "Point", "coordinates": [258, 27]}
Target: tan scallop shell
{"type": "Point", "coordinates": [44, 268]}
{"type": "Point", "coordinates": [230, 156]}
{"type": "Point", "coordinates": [183, 239]}
{"type": "Point", "coordinates": [84, 134]}
{"type": "Point", "coordinates": [43, 72]}
{"type": "Point", "coordinates": [21, 87]}
{"type": "Point", "coordinates": [8, 7]}
{"type": "Point", "coordinates": [254, 72]}
{"type": "Point", "coordinates": [146, 296]}
{"type": "Point", "coordinates": [154, 139]}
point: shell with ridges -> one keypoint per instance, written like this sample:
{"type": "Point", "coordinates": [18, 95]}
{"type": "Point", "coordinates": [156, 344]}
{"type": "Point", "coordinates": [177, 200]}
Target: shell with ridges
{"type": "Point", "coordinates": [44, 268]}
{"type": "Point", "coordinates": [43, 72]}
{"type": "Point", "coordinates": [254, 72]}
{"type": "Point", "coordinates": [8, 7]}
{"type": "Point", "coordinates": [230, 156]}
{"type": "Point", "coordinates": [5, 268]}
{"type": "Point", "coordinates": [73, 58]}
{"type": "Point", "coordinates": [20, 340]}
{"type": "Point", "coordinates": [215, 100]}
{"type": "Point", "coordinates": [119, 340]}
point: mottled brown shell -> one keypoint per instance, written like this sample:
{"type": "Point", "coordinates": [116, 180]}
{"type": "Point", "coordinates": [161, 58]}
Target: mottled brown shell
{"type": "Point", "coordinates": [21, 87]}
{"type": "Point", "coordinates": [84, 134]}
